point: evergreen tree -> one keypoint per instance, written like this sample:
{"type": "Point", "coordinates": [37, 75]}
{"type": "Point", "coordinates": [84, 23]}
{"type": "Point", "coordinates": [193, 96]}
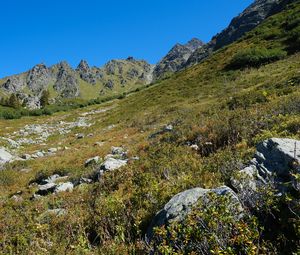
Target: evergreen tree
{"type": "Point", "coordinates": [13, 101]}
{"type": "Point", "coordinates": [45, 98]}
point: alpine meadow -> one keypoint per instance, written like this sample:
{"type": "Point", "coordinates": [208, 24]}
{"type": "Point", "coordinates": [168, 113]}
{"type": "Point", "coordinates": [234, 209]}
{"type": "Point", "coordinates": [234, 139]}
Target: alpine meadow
{"type": "Point", "coordinates": [197, 154]}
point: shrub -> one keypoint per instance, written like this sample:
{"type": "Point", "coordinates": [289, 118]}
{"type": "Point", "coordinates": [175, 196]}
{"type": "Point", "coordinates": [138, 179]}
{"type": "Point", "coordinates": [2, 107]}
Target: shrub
{"type": "Point", "coordinates": [211, 228]}
{"type": "Point", "coordinates": [256, 57]}
{"type": "Point", "coordinates": [246, 100]}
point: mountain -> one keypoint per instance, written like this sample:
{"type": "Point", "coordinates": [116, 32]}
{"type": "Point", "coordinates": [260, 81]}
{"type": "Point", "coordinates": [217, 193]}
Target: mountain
{"type": "Point", "coordinates": [176, 58]}
{"type": "Point", "coordinates": [117, 76]}
{"type": "Point", "coordinates": [250, 18]}
{"type": "Point", "coordinates": [180, 57]}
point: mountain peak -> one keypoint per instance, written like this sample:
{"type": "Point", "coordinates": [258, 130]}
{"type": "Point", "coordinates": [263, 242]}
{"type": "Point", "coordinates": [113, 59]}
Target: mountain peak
{"type": "Point", "coordinates": [83, 66]}
{"type": "Point", "coordinates": [194, 44]}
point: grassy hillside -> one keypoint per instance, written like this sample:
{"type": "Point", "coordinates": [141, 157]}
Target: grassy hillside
{"type": "Point", "coordinates": [224, 110]}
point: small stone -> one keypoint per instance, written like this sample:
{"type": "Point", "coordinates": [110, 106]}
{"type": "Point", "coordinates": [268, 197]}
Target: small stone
{"type": "Point", "coordinates": [194, 147]}
{"type": "Point", "coordinates": [26, 156]}
{"type": "Point", "coordinates": [52, 150]}
{"type": "Point", "coordinates": [92, 161]}
{"type": "Point", "coordinates": [168, 128]}
{"type": "Point", "coordinates": [99, 144]}
{"type": "Point", "coordinates": [80, 136]}
{"type": "Point", "coordinates": [62, 187]}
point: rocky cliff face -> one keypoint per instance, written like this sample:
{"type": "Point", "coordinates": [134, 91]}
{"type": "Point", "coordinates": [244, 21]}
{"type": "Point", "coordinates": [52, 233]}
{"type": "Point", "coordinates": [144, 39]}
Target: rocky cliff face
{"type": "Point", "coordinates": [38, 78]}
{"type": "Point", "coordinates": [176, 58]}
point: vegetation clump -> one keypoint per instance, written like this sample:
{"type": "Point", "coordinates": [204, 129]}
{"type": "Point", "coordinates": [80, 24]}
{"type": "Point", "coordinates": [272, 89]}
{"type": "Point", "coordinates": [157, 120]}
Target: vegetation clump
{"type": "Point", "coordinates": [255, 57]}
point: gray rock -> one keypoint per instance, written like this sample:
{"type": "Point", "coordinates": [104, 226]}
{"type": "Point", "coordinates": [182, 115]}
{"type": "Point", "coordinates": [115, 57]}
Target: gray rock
{"type": "Point", "coordinates": [14, 84]}
{"type": "Point", "coordinates": [110, 84]}
{"type": "Point", "coordinates": [194, 147]}
{"type": "Point", "coordinates": [168, 128]}
{"type": "Point", "coordinates": [63, 187]}
{"type": "Point", "coordinates": [26, 156]}
{"type": "Point", "coordinates": [52, 150]}
{"type": "Point", "coordinates": [51, 179]}
{"type": "Point", "coordinates": [5, 156]}
{"type": "Point", "coordinates": [181, 205]}
{"type": "Point", "coordinates": [39, 154]}
{"type": "Point", "coordinates": [46, 189]}
{"type": "Point", "coordinates": [38, 78]}
{"type": "Point", "coordinates": [276, 158]}
{"type": "Point", "coordinates": [86, 72]}
{"type": "Point", "coordinates": [66, 81]}
{"type": "Point", "coordinates": [277, 155]}
{"type": "Point", "coordinates": [32, 102]}
{"type": "Point", "coordinates": [85, 180]}
{"type": "Point", "coordinates": [175, 58]}
{"type": "Point", "coordinates": [117, 150]}
{"type": "Point", "coordinates": [12, 143]}
{"type": "Point", "coordinates": [80, 136]}
{"type": "Point", "coordinates": [112, 164]}
{"type": "Point", "coordinates": [92, 161]}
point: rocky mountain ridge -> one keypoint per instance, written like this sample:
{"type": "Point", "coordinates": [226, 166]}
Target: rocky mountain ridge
{"type": "Point", "coordinates": [176, 58]}
{"type": "Point", "coordinates": [250, 18]}
{"type": "Point", "coordinates": [66, 82]}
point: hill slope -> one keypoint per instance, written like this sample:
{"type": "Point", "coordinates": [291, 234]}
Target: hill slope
{"type": "Point", "coordinates": [222, 111]}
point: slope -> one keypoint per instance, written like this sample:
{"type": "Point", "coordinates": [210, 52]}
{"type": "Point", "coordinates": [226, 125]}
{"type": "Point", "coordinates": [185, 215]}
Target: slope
{"type": "Point", "coordinates": [223, 111]}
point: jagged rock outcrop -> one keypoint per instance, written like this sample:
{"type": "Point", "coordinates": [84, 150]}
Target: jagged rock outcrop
{"type": "Point", "coordinates": [276, 160]}
{"type": "Point", "coordinates": [38, 78]}
{"type": "Point", "coordinates": [129, 70]}
{"type": "Point", "coordinates": [176, 58]}
{"type": "Point", "coordinates": [66, 81]}
{"type": "Point", "coordinates": [14, 84]}
{"type": "Point", "coordinates": [181, 205]}
{"type": "Point", "coordinates": [86, 73]}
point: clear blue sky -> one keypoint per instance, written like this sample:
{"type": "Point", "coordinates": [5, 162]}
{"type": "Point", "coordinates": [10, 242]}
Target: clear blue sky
{"type": "Point", "coordinates": [35, 31]}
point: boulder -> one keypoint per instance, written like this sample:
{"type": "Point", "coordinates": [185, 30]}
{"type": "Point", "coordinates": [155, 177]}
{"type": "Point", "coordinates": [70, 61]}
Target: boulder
{"type": "Point", "coordinates": [181, 205]}
{"type": "Point", "coordinates": [112, 164]}
{"type": "Point", "coordinates": [276, 158]}
{"type": "Point", "coordinates": [5, 156]}
{"type": "Point", "coordinates": [46, 189]}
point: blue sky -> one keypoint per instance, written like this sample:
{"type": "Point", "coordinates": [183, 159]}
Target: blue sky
{"type": "Point", "coordinates": [36, 31]}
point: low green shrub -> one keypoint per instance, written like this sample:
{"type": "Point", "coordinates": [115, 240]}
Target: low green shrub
{"type": "Point", "coordinates": [255, 57]}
